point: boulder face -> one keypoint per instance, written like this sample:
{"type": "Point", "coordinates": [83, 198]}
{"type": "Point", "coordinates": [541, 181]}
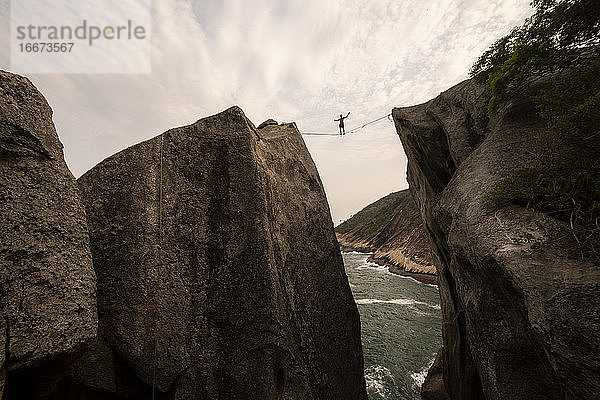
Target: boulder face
{"type": "Point", "coordinates": [518, 323]}
{"type": "Point", "coordinates": [47, 283]}
{"type": "Point", "coordinates": [219, 274]}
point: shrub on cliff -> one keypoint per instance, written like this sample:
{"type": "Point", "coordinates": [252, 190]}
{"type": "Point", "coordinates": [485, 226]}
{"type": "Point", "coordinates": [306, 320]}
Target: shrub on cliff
{"type": "Point", "coordinates": [561, 35]}
{"type": "Point", "coordinates": [562, 40]}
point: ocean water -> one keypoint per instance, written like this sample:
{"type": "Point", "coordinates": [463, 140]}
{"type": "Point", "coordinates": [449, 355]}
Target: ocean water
{"type": "Point", "coordinates": [401, 328]}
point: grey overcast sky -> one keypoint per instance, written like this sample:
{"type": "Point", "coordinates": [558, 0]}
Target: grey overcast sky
{"type": "Point", "coordinates": [297, 60]}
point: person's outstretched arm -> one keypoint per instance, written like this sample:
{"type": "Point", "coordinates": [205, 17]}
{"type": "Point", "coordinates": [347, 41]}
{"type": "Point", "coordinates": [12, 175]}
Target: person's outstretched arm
{"type": "Point", "coordinates": [336, 119]}
{"type": "Point", "coordinates": [347, 114]}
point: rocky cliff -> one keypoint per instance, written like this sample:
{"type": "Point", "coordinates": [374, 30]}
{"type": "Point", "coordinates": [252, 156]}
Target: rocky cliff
{"type": "Point", "coordinates": [521, 318]}
{"type": "Point", "coordinates": [47, 283]}
{"type": "Point", "coordinates": [219, 274]}
{"type": "Point", "coordinates": [392, 229]}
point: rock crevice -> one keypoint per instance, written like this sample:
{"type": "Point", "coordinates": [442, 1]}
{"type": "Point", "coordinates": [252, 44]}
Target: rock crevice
{"type": "Point", "coordinates": [216, 271]}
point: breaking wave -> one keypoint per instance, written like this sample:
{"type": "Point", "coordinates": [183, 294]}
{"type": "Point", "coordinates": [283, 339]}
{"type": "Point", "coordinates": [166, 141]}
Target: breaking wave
{"type": "Point", "coordinates": [419, 376]}
{"type": "Point", "coordinates": [402, 302]}
{"type": "Point", "coordinates": [380, 381]}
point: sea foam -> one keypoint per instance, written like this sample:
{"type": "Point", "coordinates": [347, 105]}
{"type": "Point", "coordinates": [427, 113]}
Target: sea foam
{"type": "Point", "coordinates": [419, 377]}
{"type": "Point", "coordinates": [380, 381]}
{"type": "Point", "coordinates": [402, 302]}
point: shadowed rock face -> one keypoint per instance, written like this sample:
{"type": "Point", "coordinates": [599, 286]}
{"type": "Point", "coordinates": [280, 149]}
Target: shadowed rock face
{"type": "Point", "coordinates": [518, 324]}
{"type": "Point", "coordinates": [219, 275]}
{"type": "Point", "coordinates": [47, 283]}
{"type": "Point", "coordinates": [433, 388]}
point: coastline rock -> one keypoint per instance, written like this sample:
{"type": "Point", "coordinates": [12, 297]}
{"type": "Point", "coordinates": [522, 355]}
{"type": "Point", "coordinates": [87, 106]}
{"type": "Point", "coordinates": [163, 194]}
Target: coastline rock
{"type": "Point", "coordinates": [47, 283]}
{"type": "Point", "coordinates": [517, 323]}
{"type": "Point", "coordinates": [392, 229]}
{"type": "Point", "coordinates": [433, 387]}
{"type": "Point", "coordinates": [219, 274]}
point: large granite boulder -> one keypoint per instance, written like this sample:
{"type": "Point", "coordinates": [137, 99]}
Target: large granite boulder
{"type": "Point", "coordinates": [47, 283]}
{"type": "Point", "coordinates": [219, 274]}
{"type": "Point", "coordinates": [518, 322]}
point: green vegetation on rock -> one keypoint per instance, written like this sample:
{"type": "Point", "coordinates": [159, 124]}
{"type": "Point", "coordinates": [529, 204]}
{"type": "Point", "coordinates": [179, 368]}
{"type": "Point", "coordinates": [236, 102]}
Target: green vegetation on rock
{"type": "Point", "coordinates": [560, 43]}
{"type": "Point", "coordinates": [392, 229]}
{"type": "Point", "coordinates": [559, 190]}
{"type": "Point", "coordinates": [561, 35]}
{"type": "Point", "coordinates": [376, 215]}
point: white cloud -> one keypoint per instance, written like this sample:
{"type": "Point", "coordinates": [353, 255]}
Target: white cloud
{"type": "Point", "coordinates": [303, 60]}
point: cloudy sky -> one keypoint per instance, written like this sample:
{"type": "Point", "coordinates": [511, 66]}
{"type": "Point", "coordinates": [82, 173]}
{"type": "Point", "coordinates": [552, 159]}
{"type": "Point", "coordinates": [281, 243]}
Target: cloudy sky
{"type": "Point", "coordinates": [295, 60]}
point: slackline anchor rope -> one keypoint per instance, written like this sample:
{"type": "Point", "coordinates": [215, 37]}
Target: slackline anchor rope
{"type": "Point", "coordinates": [157, 299]}
{"type": "Point", "coordinates": [319, 134]}
{"type": "Point", "coordinates": [353, 130]}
